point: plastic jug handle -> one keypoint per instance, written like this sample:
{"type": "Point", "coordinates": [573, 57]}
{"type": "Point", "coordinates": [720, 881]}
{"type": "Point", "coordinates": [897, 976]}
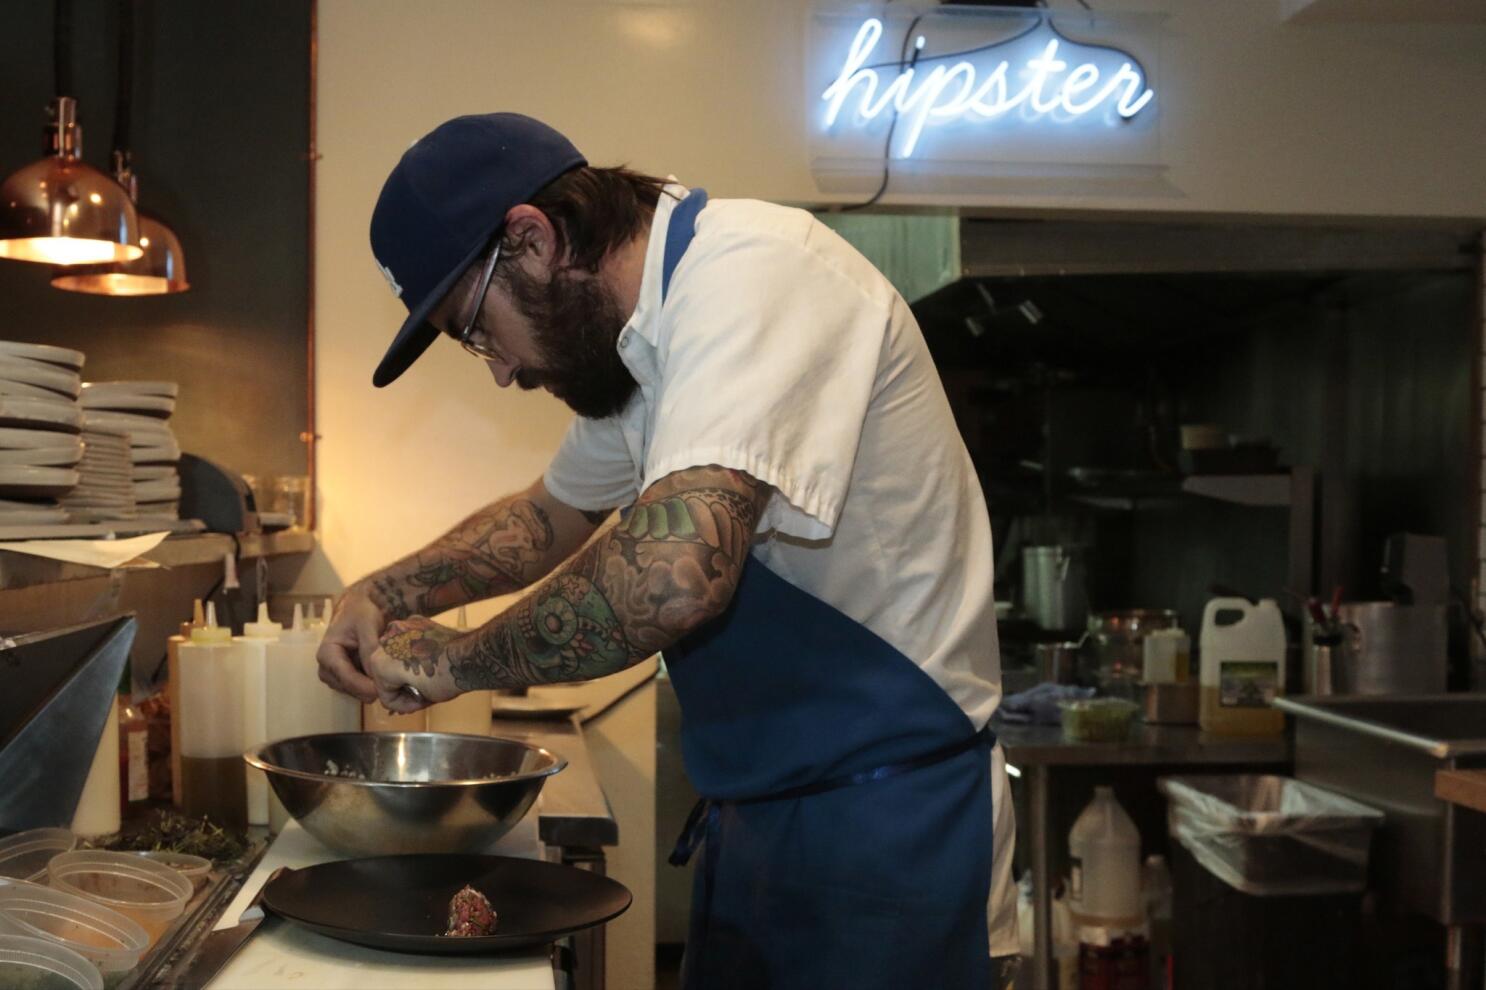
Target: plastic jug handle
{"type": "Point", "coordinates": [1216, 605]}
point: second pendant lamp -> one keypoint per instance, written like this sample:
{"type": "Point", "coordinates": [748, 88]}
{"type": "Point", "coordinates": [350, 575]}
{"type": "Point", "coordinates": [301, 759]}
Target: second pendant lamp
{"type": "Point", "coordinates": [161, 268]}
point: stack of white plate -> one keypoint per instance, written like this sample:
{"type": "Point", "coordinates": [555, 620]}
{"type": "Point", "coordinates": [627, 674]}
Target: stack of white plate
{"type": "Point", "coordinates": [105, 492]}
{"type": "Point", "coordinates": [39, 423]}
{"type": "Point", "coordinates": [142, 411]}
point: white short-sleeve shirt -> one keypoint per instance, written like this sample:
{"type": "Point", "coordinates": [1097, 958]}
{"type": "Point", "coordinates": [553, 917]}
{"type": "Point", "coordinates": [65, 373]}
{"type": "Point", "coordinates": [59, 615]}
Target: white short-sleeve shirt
{"type": "Point", "coordinates": [781, 352]}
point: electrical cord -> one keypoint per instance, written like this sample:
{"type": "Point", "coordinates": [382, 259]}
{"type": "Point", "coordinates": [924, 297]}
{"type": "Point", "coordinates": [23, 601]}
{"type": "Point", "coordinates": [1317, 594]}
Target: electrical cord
{"type": "Point", "coordinates": [62, 47]}
{"type": "Point", "coordinates": [124, 101]}
{"type": "Point", "coordinates": [904, 63]}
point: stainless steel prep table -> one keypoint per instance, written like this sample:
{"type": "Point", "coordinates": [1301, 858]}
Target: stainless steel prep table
{"type": "Point", "coordinates": [1037, 750]}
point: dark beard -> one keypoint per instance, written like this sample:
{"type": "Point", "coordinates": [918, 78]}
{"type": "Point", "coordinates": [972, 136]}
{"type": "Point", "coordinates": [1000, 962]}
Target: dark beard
{"type": "Point", "coordinates": [576, 323]}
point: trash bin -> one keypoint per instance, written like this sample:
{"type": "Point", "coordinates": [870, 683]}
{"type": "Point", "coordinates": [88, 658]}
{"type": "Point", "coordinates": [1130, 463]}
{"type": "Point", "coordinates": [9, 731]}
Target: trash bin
{"type": "Point", "coordinates": [1267, 880]}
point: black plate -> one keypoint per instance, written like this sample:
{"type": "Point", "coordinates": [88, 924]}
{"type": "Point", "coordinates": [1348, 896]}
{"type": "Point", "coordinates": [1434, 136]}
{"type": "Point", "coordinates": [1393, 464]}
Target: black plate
{"type": "Point", "coordinates": [401, 903]}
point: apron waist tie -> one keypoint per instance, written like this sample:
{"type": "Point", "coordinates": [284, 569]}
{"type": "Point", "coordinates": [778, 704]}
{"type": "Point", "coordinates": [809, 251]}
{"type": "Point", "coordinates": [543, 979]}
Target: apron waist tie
{"type": "Point", "coordinates": [705, 814]}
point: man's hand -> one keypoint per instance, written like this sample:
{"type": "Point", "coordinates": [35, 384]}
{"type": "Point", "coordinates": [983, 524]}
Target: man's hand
{"type": "Point", "coordinates": [413, 653]}
{"type": "Point", "coordinates": [350, 640]}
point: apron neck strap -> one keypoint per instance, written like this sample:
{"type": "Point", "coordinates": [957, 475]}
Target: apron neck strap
{"type": "Point", "coordinates": [679, 233]}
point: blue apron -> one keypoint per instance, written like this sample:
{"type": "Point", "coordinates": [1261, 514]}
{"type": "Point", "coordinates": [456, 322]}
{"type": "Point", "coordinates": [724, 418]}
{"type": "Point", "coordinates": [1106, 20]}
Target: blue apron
{"type": "Point", "coordinates": [846, 827]}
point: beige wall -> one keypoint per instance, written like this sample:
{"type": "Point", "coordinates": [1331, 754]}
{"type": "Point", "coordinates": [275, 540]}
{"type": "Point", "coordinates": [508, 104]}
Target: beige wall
{"type": "Point", "coordinates": [1260, 116]}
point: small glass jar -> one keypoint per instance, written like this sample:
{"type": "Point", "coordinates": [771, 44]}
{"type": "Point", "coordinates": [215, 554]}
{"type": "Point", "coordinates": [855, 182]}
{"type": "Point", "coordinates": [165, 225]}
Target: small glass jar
{"type": "Point", "coordinates": [291, 495]}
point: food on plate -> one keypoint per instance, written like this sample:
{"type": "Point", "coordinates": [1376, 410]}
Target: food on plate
{"type": "Point", "coordinates": [470, 914]}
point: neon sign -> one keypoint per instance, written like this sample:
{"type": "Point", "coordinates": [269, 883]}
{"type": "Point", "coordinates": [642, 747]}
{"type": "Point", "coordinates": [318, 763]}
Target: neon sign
{"type": "Point", "coordinates": [1035, 75]}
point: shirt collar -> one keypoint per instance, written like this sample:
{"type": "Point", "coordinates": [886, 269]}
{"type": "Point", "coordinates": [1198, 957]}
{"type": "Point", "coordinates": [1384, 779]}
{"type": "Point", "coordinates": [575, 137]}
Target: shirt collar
{"type": "Point", "coordinates": [644, 321]}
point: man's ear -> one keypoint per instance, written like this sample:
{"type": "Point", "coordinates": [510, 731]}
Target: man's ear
{"type": "Point", "coordinates": [533, 233]}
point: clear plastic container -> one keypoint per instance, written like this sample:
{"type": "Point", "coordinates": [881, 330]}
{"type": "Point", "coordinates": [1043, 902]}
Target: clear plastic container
{"type": "Point", "coordinates": [24, 856]}
{"type": "Point", "coordinates": [193, 868]}
{"type": "Point", "coordinates": [38, 964]}
{"type": "Point", "coordinates": [104, 937]}
{"type": "Point", "coordinates": [151, 894]}
{"type": "Point", "coordinates": [1272, 836]}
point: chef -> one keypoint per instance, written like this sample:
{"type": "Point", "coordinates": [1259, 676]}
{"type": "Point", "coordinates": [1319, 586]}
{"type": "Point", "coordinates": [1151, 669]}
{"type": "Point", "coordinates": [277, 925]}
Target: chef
{"type": "Point", "coordinates": [800, 533]}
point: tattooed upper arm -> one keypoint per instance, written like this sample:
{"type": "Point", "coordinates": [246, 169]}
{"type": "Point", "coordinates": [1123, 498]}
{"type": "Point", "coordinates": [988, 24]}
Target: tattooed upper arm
{"type": "Point", "coordinates": [678, 554]}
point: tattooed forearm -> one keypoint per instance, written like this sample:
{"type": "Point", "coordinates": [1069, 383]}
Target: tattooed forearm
{"type": "Point", "coordinates": [496, 551]}
{"type": "Point", "coordinates": [387, 593]}
{"type": "Point", "coordinates": [671, 565]}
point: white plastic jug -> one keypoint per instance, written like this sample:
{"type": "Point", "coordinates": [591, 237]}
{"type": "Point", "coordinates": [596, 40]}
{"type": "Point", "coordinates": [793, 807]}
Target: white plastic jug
{"type": "Point", "coordinates": [1243, 667]}
{"type": "Point", "coordinates": [1104, 855]}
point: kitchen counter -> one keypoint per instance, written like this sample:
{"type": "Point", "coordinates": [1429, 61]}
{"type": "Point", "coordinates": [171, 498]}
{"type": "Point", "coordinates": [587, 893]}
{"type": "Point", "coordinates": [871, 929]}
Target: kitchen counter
{"type": "Point", "coordinates": [1148, 745]}
{"type": "Point", "coordinates": [1035, 751]}
{"type": "Point", "coordinates": [573, 810]}
{"type": "Point", "coordinates": [282, 954]}
{"type": "Point", "coordinates": [571, 821]}
{"type": "Point", "coordinates": [1466, 788]}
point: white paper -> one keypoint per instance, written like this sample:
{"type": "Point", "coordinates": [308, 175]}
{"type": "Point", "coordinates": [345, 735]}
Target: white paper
{"type": "Point", "coordinates": [107, 554]}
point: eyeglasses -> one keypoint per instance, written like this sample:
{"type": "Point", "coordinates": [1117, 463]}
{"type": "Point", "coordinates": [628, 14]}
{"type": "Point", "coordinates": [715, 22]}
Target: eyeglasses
{"type": "Point", "coordinates": [466, 336]}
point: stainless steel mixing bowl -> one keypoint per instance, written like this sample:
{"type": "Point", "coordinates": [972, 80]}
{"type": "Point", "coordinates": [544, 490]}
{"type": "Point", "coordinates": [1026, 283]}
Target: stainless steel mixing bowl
{"type": "Point", "coordinates": [381, 793]}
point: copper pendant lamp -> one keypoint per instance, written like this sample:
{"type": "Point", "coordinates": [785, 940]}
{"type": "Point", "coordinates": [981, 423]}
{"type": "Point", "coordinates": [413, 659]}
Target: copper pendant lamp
{"type": "Point", "coordinates": [61, 210]}
{"type": "Point", "coordinates": [161, 269]}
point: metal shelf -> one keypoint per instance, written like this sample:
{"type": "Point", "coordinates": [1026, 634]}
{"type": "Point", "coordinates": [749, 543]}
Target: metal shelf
{"type": "Point", "coordinates": [1265, 491]}
{"type": "Point", "coordinates": [21, 570]}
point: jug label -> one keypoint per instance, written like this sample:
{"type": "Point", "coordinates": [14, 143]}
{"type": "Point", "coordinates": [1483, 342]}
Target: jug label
{"type": "Point", "coordinates": [1247, 683]}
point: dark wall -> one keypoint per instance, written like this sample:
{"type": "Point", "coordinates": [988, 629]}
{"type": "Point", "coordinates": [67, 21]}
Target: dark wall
{"type": "Point", "coordinates": [1371, 381]}
{"type": "Point", "coordinates": [220, 135]}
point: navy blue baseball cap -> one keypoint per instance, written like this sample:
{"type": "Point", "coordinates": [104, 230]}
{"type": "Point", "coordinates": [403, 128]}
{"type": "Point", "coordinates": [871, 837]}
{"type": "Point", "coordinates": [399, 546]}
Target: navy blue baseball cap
{"type": "Point", "coordinates": [443, 205]}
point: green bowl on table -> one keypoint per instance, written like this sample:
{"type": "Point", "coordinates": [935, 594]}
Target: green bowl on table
{"type": "Point", "coordinates": [1098, 719]}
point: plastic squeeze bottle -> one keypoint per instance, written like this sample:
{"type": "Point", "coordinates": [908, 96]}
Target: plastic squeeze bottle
{"type": "Point", "coordinates": [300, 704]}
{"type": "Point", "coordinates": [469, 712]}
{"type": "Point", "coordinates": [1104, 859]}
{"type": "Point", "coordinates": [173, 693]}
{"type": "Point", "coordinates": [99, 807]}
{"type": "Point", "coordinates": [213, 774]}
{"type": "Point", "coordinates": [250, 651]}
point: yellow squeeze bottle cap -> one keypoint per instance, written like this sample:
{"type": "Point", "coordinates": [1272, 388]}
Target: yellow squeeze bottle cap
{"type": "Point", "coordinates": [211, 634]}
{"type": "Point", "coordinates": [263, 628]}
